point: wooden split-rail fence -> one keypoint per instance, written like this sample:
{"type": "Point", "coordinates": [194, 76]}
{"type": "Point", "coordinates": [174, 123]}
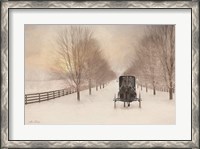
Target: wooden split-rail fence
{"type": "Point", "coordinates": [44, 96]}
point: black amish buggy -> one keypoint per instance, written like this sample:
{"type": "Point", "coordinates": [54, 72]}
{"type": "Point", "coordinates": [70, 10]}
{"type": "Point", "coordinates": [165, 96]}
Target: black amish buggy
{"type": "Point", "coordinates": [127, 91]}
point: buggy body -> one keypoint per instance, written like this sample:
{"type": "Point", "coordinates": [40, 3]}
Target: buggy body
{"type": "Point", "coordinates": [127, 91]}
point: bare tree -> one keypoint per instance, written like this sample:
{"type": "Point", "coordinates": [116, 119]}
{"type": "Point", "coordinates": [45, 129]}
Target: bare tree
{"type": "Point", "coordinates": [103, 73]}
{"type": "Point", "coordinates": [92, 62]}
{"type": "Point", "coordinates": [106, 74]}
{"type": "Point", "coordinates": [151, 61]}
{"type": "Point", "coordinates": [99, 71]}
{"type": "Point", "coordinates": [73, 43]}
{"type": "Point", "coordinates": [164, 36]}
{"type": "Point", "coordinates": [159, 43]}
{"type": "Point", "coordinates": [147, 65]}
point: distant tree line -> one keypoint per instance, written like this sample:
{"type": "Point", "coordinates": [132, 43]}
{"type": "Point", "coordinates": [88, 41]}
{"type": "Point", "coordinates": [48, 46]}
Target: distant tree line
{"type": "Point", "coordinates": [154, 63]}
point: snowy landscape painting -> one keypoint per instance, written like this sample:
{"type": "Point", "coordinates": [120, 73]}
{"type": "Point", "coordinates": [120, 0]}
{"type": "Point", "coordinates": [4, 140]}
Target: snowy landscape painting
{"type": "Point", "coordinates": [99, 74]}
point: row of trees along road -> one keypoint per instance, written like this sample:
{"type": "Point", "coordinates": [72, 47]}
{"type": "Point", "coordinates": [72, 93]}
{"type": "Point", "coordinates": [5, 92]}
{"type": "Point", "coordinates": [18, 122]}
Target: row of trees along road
{"type": "Point", "coordinates": [80, 59]}
{"type": "Point", "coordinates": [154, 60]}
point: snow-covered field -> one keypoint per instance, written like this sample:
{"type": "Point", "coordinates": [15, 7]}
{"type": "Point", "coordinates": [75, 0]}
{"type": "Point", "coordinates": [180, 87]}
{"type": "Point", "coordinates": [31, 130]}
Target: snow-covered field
{"type": "Point", "coordinates": [98, 108]}
{"type": "Point", "coordinates": [43, 86]}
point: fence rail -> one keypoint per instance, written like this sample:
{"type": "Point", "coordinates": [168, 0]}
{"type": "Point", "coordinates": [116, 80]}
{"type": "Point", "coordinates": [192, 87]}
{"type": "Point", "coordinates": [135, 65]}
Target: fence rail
{"type": "Point", "coordinates": [162, 89]}
{"type": "Point", "coordinates": [44, 96]}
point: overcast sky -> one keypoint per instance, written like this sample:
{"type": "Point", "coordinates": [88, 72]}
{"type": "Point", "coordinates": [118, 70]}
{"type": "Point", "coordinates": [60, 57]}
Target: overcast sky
{"type": "Point", "coordinates": [117, 42]}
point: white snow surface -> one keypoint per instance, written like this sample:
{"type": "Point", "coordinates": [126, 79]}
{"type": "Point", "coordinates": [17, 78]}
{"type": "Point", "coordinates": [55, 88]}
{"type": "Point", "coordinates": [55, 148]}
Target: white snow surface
{"type": "Point", "coordinates": [98, 109]}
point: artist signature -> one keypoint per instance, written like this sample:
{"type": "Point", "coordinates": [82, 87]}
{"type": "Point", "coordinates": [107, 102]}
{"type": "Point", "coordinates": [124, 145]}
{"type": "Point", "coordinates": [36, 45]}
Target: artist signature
{"type": "Point", "coordinates": [34, 122]}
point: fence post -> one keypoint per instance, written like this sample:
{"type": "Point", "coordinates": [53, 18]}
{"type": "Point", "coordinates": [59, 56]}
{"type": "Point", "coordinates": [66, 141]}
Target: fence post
{"type": "Point", "coordinates": [63, 92]}
{"type": "Point", "coordinates": [39, 97]}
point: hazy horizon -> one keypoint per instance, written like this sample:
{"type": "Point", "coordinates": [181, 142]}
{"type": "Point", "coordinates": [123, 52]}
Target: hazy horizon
{"type": "Point", "coordinates": [117, 42]}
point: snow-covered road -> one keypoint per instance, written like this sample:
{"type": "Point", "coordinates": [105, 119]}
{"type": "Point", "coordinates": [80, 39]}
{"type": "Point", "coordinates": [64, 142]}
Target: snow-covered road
{"type": "Point", "coordinates": [98, 108]}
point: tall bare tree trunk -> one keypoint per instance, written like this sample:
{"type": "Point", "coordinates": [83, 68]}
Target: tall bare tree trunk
{"type": "Point", "coordinates": [146, 88]}
{"type": "Point", "coordinates": [170, 91]}
{"type": "Point", "coordinates": [154, 88]}
{"type": "Point", "coordinates": [78, 92]}
{"type": "Point", "coordinates": [96, 87]}
{"type": "Point", "coordinates": [90, 86]}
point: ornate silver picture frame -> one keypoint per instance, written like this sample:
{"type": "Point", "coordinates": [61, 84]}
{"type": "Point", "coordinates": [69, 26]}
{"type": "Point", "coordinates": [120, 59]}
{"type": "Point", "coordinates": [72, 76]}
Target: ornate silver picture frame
{"type": "Point", "coordinates": [6, 142]}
